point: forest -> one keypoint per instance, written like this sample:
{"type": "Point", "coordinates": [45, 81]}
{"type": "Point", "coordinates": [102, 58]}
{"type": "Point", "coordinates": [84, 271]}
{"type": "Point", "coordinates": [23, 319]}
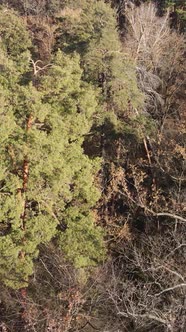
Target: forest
{"type": "Point", "coordinates": [92, 166]}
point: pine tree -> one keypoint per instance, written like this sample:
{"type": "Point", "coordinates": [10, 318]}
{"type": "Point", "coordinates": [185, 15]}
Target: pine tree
{"type": "Point", "coordinates": [90, 28]}
{"type": "Point", "coordinates": [46, 181]}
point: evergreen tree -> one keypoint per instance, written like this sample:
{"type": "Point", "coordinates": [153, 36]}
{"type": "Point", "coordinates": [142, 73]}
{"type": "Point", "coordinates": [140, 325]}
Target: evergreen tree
{"type": "Point", "coordinates": [46, 182]}
{"type": "Point", "coordinates": [90, 28]}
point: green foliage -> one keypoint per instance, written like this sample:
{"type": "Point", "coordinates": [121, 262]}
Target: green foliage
{"type": "Point", "coordinates": [82, 241]}
{"type": "Point", "coordinates": [43, 126]}
{"type": "Point", "coordinates": [86, 102]}
{"type": "Point", "coordinates": [82, 21]}
{"type": "Point", "coordinates": [177, 14]}
{"type": "Point", "coordinates": [15, 38]}
{"type": "Point", "coordinates": [140, 127]}
{"type": "Point", "coordinates": [89, 28]}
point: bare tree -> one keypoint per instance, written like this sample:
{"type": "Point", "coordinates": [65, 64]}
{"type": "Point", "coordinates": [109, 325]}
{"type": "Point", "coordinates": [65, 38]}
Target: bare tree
{"type": "Point", "coordinates": [148, 32]}
{"type": "Point", "coordinates": [159, 55]}
{"type": "Point", "coordinates": [147, 284]}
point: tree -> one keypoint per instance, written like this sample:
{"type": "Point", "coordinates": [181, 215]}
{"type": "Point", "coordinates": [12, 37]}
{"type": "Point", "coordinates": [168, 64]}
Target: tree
{"type": "Point", "coordinates": [46, 180]}
{"type": "Point", "coordinates": [93, 33]}
{"type": "Point", "coordinates": [54, 296]}
{"type": "Point", "coordinates": [159, 57]}
{"type": "Point", "coordinates": [147, 287]}
{"type": "Point", "coordinates": [34, 7]}
{"type": "Point", "coordinates": [148, 33]}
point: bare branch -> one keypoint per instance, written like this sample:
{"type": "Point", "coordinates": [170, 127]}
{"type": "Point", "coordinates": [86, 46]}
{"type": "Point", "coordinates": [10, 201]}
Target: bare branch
{"type": "Point", "coordinates": [148, 316]}
{"type": "Point", "coordinates": [170, 289]}
{"type": "Point", "coordinates": [37, 68]}
{"type": "Point", "coordinates": [178, 247]}
{"type": "Point", "coordinates": [171, 215]}
{"type": "Point", "coordinates": [174, 272]}
{"type": "Point", "coordinates": [47, 269]}
{"type": "Point", "coordinates": [167, 269]}
{"type": "Point", "coordinates": [166, 214]}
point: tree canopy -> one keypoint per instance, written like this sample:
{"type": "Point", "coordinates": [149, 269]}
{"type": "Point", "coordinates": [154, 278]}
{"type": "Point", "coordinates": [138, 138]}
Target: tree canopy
{"type": "Point", "coordinates": [46, 180]}
{"type": "Point", "coordinates": [92, 165]}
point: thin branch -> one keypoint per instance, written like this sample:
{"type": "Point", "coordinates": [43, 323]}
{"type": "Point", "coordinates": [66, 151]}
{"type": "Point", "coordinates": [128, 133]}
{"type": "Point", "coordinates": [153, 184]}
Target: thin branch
{"type": "Point", "coordinates": [147, 151]}
{"type": "Point", "coordinates": [159, 36]}
{"type": "Point", "coordinates": [170, 289]}
{"type": "Point", "coordinates": [90, 324]}
{"type": "Point", "coordinates": [149, 316]}
{"type": "Point", "coordinates": [47, 269]}
{"type": "Point", "coordinates": [178, 247]}
{"type": "Point", "coordinates": [171, 215]}
{"type": "Point", "coordinates": [174, 272]}
{"type": "Point", "coordinates": [167, 269]}
{"type": "Point", "coordinates": [159, 214]}
{"type": "Point", "coordinates": [37, 68]}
